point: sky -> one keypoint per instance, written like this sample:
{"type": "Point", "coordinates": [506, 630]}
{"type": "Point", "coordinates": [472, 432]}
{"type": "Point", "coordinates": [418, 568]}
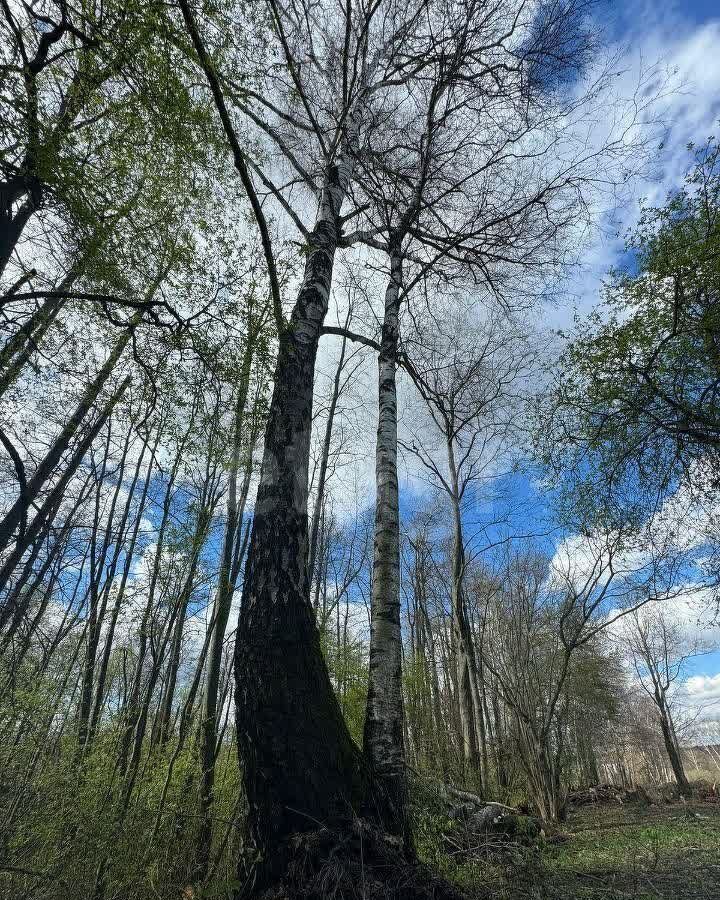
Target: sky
{"type": "Point", "coordinates": [674, 48]}
{"type": "Point", "coordinates": [680, 43]}
{"type": "Point", "coordinates": [685, 39]}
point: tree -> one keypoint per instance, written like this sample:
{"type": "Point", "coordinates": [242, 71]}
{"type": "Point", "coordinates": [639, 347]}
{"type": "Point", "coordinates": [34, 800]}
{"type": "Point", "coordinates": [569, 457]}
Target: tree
{"type": "Point", "coordinates": [469, 378]}
{"type": "Point", "coordinates": [423, 214]}
{"type": "Point", "coordinates": [247, 422]}
{"type": "Point", "coordinates": [635, 404]}
{"type": "Point", "coordinates": [660, 653]}
{"type": "Point", "coordinates": [544, 614]}
{"type": "Point", "coordinates": [378, 51]}
{"type": "Point", "coordinates": [94, 94]}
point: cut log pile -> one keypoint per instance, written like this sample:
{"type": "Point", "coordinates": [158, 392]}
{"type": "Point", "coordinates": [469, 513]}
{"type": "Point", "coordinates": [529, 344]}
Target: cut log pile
{"type": "Point", "coordinates": [480, 828]}
{"type": "Point", "coordinates": [642, 795]}
{"type": "Point", "coordinates": [607, 793]}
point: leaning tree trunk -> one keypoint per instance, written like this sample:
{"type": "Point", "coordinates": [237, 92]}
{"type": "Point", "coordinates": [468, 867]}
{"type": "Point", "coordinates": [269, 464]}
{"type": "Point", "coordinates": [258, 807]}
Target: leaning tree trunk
{"type": "Point", "coordinates": [18, 351]}
{"type": "Point", "coordinates": [17, 513]}
{"type": "Point", "coordinates": [462, 637]}
{"type": "Point", "coordinates": [300, 765]}
{"type": "Point", "coordinates": [128, 543]}
{"type": "Point", "coordinates": [41, 522]}
{"type": "Point", "coordinates": [383, 736]}
{"type": "Point", "coordinates": [672, 745]}
{"type": "Point", "coordinates": [324, 460]}
{"type": "Point", "coordinates": [12, 226]}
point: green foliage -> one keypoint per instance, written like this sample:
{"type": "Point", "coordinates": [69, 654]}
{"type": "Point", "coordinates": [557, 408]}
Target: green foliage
{"type": "Point", "coordinates": [347, 663]}
{"type": "Point", "coordinates": [637, 401]}
{"type": "Point", "coordinates": [607, 852]}
{"type": "Point", "coordinates": [64, 819]}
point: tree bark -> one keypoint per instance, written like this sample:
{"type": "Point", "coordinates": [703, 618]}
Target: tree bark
{"type": "Point", "coordinates": [227, 580]}
{"type": "Point", "coordinates": [383, 742]}
{"type": "Point", "coordinates": [462, 638]}
{"type": "Point", "coordinates": [322, 474]}
{"type": "Point", "coordinates": [47, 465]}
{"type": "Point", "coordinates": [41, 522]}
{"type": "Point", "coordinates": [300, 765]}
{"type": "Point", "coordinates": [672, 745]}
{"type": "Point", "coordinates": [97, 605]}
{"type": "Point", "coordinates": [120, 594]}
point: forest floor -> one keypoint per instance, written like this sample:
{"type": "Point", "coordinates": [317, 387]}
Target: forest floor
{"type": "Point", "coordinates": [611, 852]}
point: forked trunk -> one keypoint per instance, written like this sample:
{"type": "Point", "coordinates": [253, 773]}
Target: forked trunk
{"type": "Point", "coordinates": [672, 746]}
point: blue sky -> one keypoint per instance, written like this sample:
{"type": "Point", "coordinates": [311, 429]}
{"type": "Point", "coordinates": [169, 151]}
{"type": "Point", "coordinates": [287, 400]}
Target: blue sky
{"type": "Point", "coordinates": [685, 34]}
{"type": "Point", "coordinates": [686, 38]}
{"type": "Point", "coordinates": [682, 42]}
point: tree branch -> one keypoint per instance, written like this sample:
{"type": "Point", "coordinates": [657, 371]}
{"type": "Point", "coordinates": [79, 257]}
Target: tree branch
{"type": "Point", "coordinates": [239, 160]}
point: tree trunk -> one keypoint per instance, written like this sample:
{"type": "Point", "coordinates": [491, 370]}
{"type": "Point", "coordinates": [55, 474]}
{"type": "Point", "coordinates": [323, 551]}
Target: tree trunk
{"type": "Point", "coordinates": [227, 580]}
{"type": "Point", "coordinates": [12, 226]}
{"type": "Point", "coordinates": [131, 710]}
{"type": "Point", "coordinates": [41, 523]}
{"type": "Point", "coordinates": [300, 765]}
{"type": "Point", "coordinates": [467, 687]}
{"type": "Point", "coordinates": [47, 465]}
{"type": "Point", "coordinates": [120, 593]}
{"type": "Point", "coordinates": [322, 474]}
{"type": "Point", "coordinates": [383, 735]}
{"type": "Point", "coordinates": [18, 350]}
{"type": "Point", "coordinates": [97, 607]}
{"type": "Point", "coordinates": [672, 745]}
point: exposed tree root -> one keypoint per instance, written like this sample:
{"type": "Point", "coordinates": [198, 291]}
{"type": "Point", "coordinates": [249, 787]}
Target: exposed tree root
{"type": "Point", "coordinates": [359, 863]}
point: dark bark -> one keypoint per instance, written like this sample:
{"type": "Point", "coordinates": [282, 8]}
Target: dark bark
{"type": "Point", "coordinates": [60, 445]}
{"type": "Point", "coordinates": [96, 605]}
{"type": "Point", "coordinates": [299, 763]}
{"type": "Point", "coordinates": [324, 459]}
{"type": "Point", "coordinates": [198, 540]}
{"type": "Point", "coordinates": [672, 745]}
{"type": "Point", "coordinates": [129, 550]}
{"type": "Point", "coordinates": [43, 518]}
{"type": "Point", "coordinates": [19, 349]}
{"type": "Point", "coordinates": [132, 707]}
{"type": "Point", "coordinates": [12, 226]}
{"type": "Point", "coordinates": [462, 636]}
{"type": "Point", "coordinates": [227, 580]}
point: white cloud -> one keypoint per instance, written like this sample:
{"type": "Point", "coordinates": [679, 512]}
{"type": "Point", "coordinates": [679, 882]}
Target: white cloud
{"type": "Point", "coordinates": [703, 693]}
{"type": "Point", "coordinates": [686, 54]}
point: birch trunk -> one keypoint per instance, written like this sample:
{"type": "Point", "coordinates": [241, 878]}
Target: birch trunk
{"type": "Point", "coordinates": [383, 741]}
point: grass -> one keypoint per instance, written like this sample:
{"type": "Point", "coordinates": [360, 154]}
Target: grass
{"type": "Point", "coordinates": [608, 852]}
{"type": "Point", "coordinates": [657, 852]}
